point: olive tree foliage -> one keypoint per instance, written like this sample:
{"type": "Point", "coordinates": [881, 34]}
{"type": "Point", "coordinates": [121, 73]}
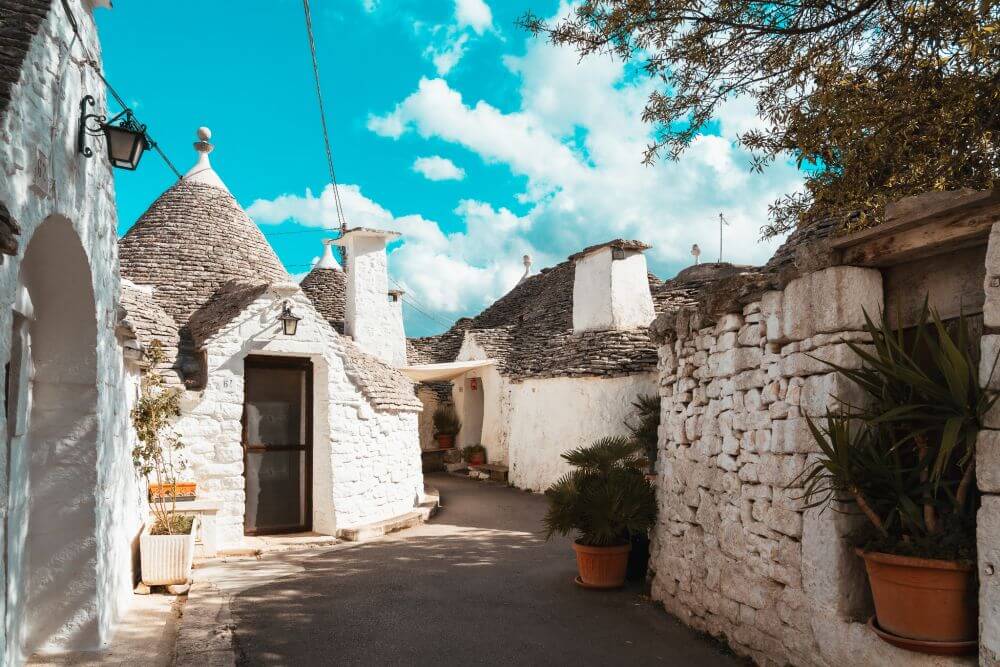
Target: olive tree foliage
{"type": "Point", "coordinates": [875, 100]}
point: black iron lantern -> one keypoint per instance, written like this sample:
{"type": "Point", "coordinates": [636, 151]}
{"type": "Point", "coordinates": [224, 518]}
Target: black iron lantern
{"type": "Point", "coordinates": [289, 322]}
{"type": "Point", "coordinates": [125, 137]}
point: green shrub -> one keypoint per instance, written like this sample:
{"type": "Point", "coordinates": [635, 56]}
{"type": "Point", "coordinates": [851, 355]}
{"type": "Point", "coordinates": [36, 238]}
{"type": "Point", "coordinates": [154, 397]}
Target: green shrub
{"type": "Point", "coordinates": [606, 498]}
{"type": "Point", "coordinates": [446, 421]}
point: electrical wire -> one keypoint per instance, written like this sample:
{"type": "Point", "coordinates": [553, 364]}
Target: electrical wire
{"type": "Point", "coordinates": [322, 117]}
{"type": "Point", "coordinates": [89, 59]}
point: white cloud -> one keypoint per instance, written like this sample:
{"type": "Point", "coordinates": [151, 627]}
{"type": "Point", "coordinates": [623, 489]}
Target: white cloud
{"type": "Point", "coordinates": [447, 54]}
{"type": "Point", "coordinates": [473, 14]}
{"type": "Point", "coordinates": [447, 44]}
{"type": "Point", "coordinates": [577, 139]}
{"type": "Point", "coordinates": [437, 168]}
{"type": "Point", "coordinates": [482, 263]}
{"type": "Point", "coordinates": [369, 5]}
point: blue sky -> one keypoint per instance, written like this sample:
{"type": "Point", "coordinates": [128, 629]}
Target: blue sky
{"type": "Point", "coordinates": [448, 124]}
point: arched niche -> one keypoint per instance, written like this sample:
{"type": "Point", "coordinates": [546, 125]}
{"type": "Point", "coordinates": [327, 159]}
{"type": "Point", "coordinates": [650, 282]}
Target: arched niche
{"type": "Point", "coordinates": [51, 545]}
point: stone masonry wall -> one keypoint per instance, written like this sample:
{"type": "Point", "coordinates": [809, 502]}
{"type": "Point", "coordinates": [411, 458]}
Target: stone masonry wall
{"type": "Point", "coordinates": [733, 552]}
{"type": "Point", "coordinates": [988, 467]}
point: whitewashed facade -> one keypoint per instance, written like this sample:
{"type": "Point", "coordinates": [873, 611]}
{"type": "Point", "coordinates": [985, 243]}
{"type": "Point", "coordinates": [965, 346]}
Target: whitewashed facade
{"type": "Point", "coordinates": [68, 493]}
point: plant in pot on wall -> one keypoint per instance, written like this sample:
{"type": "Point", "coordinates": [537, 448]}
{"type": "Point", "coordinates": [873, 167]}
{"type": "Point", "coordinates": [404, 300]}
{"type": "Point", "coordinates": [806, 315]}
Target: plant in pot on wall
{"type": "Point", "coordinates": [905, 458]}
{"type": "Point", "coordinates": [166, 547]}
{"type": "Point", "coordinates": [474, 455]}
{"type": "Point", "coordinates": [446, 426]}
{"type": "Point", "coordinates": [605, 500]}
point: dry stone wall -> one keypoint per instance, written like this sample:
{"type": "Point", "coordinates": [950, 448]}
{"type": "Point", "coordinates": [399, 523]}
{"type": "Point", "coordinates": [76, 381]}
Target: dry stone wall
{"type": "Point", "coordinates": [734, 553]}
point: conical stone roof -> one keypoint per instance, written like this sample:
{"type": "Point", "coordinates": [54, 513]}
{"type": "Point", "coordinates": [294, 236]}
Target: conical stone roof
{"type": "Point", "coordinates": [193, 239]}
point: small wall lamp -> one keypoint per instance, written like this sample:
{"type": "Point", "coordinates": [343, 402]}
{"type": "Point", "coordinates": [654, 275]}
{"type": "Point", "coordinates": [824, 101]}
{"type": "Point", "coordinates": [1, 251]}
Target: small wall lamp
{"type": "Point", "coordinates": [126, 141]}
{"type": "Point", "coordinates": [289, 322]}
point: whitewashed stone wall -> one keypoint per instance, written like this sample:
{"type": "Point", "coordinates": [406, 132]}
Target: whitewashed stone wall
{"type": "Point", "coordinates": [733, 552]}
{"type": "Point", "coordinates": [425, 422]}
{"type": "Point", "coordinates": [366, 463]}
{"type": "Point", "coordinates": [528, 425]}
{"type": "Point", "coordinates": [44, 177]}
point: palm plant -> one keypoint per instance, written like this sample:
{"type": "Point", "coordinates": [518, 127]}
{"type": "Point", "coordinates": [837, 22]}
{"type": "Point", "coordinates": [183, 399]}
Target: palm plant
{"type": "Point", "coordinates": [644, 424]}
{"type": "Point", "coordinates": [905, 456]}
{"type": "Point", "coordinates": [606, 498]}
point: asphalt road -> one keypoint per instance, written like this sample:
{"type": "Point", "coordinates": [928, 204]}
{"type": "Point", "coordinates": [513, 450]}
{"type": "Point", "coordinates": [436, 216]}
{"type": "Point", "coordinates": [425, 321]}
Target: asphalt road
{"type": "Point", "coordinates": [477, 585]}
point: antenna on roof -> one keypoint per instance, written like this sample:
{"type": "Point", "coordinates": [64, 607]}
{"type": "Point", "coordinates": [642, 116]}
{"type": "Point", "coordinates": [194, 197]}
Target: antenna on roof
{"type": "Point", "coordinates": [722, 221]}
{"type": "Point", "coordinates": [696, 252]}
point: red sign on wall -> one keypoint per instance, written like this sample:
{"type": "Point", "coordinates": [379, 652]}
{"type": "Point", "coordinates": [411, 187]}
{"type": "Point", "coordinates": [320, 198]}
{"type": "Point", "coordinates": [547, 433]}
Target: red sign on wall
{"type": "Point", "coordinates": [472, 384]}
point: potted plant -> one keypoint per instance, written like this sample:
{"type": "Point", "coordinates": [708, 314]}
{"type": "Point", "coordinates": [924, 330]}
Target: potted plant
{"type": "Point", "coordinates": [905, 458]}
{"type": "Point", "coordinates": [474, 455]}
{"type": "Point", "coordinates": [644, 425]}
{"type": "Point", "coordinates": [446, 426]}
{"type": "Point", "coordinates": [604, 500]}
{"type": "Point", "coordinates": [166, 546]}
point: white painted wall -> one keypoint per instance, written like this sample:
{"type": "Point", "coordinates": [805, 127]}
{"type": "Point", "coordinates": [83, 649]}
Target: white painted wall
{"type": "Point", "coordinates": [425, 422]}
{"type": "Point", "coordinates": [496, 404]}
{"type": "Point", "coordinates": [44, 176]}
{"type": "Point", "coordinates": [375, 323]}
{"type": "Point", "coordinates": [527, 425]}
{"type": "Point", "coordinates": [611, 293]}
{"type": "Point", "coordinates": [552, 415]}
{"type": "Point", "coordinates": [366, 464]}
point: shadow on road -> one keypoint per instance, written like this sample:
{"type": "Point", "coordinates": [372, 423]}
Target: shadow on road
{"type": "Point", "coordinates": [478, 585]}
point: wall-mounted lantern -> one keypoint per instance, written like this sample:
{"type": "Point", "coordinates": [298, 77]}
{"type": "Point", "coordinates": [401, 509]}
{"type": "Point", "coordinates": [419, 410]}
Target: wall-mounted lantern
{"type": "Point", "coordinates": [289, 322]}
{"type": "Point", "coordinates": [126, 140]}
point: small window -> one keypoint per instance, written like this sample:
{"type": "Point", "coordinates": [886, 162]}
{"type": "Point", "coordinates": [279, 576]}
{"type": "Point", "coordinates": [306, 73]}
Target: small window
{"type": "Point", "coordinates": [617, 253]}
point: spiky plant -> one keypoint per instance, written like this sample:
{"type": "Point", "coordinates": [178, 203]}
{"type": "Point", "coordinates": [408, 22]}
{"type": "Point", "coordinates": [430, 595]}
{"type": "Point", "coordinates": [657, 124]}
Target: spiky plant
{"type": "Point", "coordinates": [446, 421]}
{"type": "Point", "coordinates": [605, 499]}
{"type": "Point", "coordinates": [905, 455]}
{"type": "Point", "coordinates": [644, 424]}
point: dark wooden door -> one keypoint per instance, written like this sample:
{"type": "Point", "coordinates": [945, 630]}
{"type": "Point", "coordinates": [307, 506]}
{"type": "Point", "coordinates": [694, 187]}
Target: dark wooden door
{"type": "Point", "coordinates": [277, 444]}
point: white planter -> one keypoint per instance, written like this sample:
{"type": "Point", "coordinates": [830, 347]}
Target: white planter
{"type": "Point", "coordinates": [166, 559]}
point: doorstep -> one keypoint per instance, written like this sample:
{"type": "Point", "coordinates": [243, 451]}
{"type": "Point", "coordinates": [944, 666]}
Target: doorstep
{"type": "Point", "coordinates": [379, 528]}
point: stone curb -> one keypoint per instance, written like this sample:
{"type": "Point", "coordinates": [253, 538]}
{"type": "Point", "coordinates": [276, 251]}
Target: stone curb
{"type": "Point", "coordinates": [205, 631]}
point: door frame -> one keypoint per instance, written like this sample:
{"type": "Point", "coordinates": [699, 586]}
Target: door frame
{"type": "Point", "coordinates": [294, 363]}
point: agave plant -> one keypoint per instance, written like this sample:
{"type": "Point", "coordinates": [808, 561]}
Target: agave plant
{"type": "Point", "coordinates": [905, 455]}
{"type": "Point", "coordinates": [446, 421]}
{"type": "Point", "coordinates": [605, 499]}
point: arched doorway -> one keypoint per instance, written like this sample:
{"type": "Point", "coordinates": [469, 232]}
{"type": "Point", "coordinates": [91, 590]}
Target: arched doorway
{"type": "Point", "coordinates": [51, 546]}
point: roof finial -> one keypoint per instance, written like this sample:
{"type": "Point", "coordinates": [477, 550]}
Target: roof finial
{"type": "Point", "coordinates": [328, 261]}
{"type": "Point", "coordinates": [526, 260]}
{"type": "Point", "coordinates": [202, 145]}
{"type": "Point", "coordinates": [202, 171]}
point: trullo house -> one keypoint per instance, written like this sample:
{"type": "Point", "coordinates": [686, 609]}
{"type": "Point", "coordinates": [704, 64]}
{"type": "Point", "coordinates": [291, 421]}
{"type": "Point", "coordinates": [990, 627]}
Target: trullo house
{"type": "Point", "coordinates": [555, 363]}
{"type": "Point", "coordinates": [283, 431]}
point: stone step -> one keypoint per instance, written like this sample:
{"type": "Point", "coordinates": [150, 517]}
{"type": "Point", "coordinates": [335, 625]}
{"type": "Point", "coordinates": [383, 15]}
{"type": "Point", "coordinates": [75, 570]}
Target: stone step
{"type": "Point", "coordinates": [380, 528]}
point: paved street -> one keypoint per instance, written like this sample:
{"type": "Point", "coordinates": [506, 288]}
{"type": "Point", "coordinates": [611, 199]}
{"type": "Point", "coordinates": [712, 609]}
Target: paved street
{"type": "Point", "coordinates": [478, 585]}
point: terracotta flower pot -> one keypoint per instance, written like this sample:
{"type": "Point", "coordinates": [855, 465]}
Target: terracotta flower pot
{"type": "Point", "coordinates": [477, 459]}
{"type": "Point", "coordinates": [601, 567]}
{"type": "Point", "coordinates": [922, 598]}
{"type": "Point", "coordinates": [445, 441]}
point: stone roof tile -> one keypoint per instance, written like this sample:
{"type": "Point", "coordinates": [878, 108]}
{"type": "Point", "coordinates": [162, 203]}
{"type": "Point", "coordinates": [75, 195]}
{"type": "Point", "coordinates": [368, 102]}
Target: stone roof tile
{"type": "Point", "coordinates": [192, 240]}
{"type": "Point", "coordinates": [20, 21]}
{"type": "Point", "coordinates": [327, 289]}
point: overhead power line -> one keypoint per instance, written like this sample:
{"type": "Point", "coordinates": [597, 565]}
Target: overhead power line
{"type": "Point", "coordinates": [322, 117]}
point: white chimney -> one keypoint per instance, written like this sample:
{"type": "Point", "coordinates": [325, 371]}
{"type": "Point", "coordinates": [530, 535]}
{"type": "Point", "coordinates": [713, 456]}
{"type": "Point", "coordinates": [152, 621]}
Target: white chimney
{"type": "Point", "coordinates": [611, 287]}
{"type": "Point", "coordinates": [373, 314]}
